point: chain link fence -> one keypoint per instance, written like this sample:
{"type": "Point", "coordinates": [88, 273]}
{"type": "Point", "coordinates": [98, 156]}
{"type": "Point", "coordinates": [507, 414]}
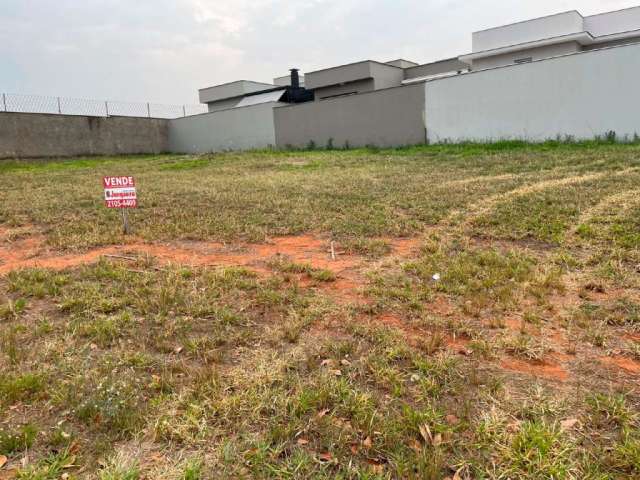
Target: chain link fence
{"type": "Point", "coordinates": [94, 108]}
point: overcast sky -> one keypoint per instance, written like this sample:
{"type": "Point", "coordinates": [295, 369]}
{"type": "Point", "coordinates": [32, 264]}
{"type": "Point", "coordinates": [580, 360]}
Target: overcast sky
{"type": "Point", "coordinates": [164, 50]}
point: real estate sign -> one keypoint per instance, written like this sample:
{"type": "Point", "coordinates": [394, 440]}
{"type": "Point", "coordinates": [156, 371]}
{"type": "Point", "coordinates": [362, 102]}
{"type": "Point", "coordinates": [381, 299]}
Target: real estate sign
{"type": "Point", "coordinates": [120, 192]}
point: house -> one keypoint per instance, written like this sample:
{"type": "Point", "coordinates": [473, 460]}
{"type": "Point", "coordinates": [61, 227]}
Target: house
{"type": "Point", "coordinates": [546, 37]}
{"type": "Point", "coordinates": [555, 35]}
{"type": "Point", "coordinates": [536, 79]}
{"type": "Point", "coordinates": [244, 93]}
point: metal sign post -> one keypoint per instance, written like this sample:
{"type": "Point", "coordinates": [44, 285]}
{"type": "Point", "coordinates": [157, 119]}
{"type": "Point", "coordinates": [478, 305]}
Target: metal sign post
{"type": "Point", "coordinates": [120, 192]}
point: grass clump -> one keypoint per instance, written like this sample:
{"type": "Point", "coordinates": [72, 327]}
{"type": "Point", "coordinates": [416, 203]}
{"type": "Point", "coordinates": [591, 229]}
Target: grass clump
{"type": "Point", "coordinates": [12, 441]}
{"type": "Point", "coordinates": [286, 266]}
{"type": "Point", "coordinates": [21, 387]}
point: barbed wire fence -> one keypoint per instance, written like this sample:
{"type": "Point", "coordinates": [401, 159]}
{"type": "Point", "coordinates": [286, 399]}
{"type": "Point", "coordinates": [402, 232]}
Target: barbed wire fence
{"type": "Point", "coordinates": [17, 103]}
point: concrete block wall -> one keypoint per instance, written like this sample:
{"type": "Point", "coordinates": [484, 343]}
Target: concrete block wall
{"type": "Point", "coordinates": [385, 118]}
{"type": "Point", "coordinates": [30, 135]}
{"type": "Point", "coordinates": [582, 95]}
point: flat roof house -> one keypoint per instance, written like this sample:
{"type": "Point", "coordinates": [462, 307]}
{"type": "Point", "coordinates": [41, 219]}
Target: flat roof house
{"type": "Point", "coordinates": [546, 37]}
{"type": "Point", "coordinates": [401, 102]}
{"type": "Point", "coordinates": [555, 35]}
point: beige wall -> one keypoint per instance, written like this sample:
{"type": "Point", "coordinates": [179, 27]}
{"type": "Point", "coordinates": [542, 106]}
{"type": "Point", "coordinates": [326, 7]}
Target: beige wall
{"type": "Point", "coordinates": [391, 117]}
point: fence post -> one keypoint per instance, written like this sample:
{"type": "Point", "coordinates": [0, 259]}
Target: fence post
{"type": "Point", "coordinates": [148, 110]}
{"type": "Point", "coordinates": [59, 109]}
{"type": "Point", "coordinates": [184, 111]}
{"type": "Point", "coordinates": [106, 108]}
{"type": "Point", "coordinates": [4, 101]}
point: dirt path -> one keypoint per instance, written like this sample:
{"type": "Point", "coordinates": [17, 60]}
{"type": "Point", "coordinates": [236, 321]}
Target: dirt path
{"type": "Point", "coordinates": [32, 252]}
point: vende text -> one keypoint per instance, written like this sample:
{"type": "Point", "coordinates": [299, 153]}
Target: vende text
{"type": "Point", "coordinates": [115, 182]}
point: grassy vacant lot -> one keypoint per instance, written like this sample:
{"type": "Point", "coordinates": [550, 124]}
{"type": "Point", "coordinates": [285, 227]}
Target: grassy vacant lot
{"type": "Point", "coordinates": [481, 318]}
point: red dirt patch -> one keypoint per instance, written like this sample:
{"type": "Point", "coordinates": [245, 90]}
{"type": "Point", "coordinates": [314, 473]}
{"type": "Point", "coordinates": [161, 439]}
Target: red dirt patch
{"type": "Point", "coordinates": [31, 253]}
{"type": "Point", "coordinates": [626, 364]}
{"type": "Point", "coordinates": [392, 321]}
{"type": "Point", "coordinates": [412, 334]}
{"type": "Point", "coordinates": [404, 246]}
{"type": "Point", "coordinates": [27, 253]}
{"type": "Point", "coordinates": [442, 306]}
{"type": "Point", "coordinates": [545, 369]}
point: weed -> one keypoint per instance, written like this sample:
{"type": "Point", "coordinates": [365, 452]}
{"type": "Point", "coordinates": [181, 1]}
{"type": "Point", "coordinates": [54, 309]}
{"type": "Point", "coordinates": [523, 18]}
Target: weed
{"type": "Point", "coordinates": [112, 406]}
{"type": "Point", "coordinates": [49, 468]}
{"type": "Point", "coordinates": [539, 451]}
{"type": "Point", "coordinates": [24, 387]}
{"type": "Point", "coordinates": [526, 346]}
{"type": "Point", "coordinates": [18, 440]}
{"type": "Point", "coordinates": [193, 469]}
{"type": "Point", "coordinates": [120, 467]}
{"type": "Point", "coordinates": [13, 309]}
{"type": "Point", "coordinates": [282, 264]}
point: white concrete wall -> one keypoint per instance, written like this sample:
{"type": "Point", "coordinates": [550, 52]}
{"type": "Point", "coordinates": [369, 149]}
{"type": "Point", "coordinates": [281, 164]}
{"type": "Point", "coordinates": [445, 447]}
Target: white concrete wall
{"type": "Point", "coordinates": [582, 95]}
{"type": "Point", "coordinates": [243, 128]}
{"type": "Point", "coordinates": [537, 29]}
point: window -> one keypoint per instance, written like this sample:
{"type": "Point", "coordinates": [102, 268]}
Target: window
{"type": "Point", "coordinates": [523, 60]}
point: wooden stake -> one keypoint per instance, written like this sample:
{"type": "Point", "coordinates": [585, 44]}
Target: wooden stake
{"type": "Point", "coordinates": [125, 221]}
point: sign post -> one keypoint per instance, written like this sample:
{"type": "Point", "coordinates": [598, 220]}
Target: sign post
{"type": "Point", "coordinates": [120, 192]}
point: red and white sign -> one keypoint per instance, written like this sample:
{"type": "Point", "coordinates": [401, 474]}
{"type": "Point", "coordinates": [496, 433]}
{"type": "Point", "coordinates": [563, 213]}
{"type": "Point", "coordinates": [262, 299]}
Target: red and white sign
{"type": "Point", "coordinates": [120, 192]}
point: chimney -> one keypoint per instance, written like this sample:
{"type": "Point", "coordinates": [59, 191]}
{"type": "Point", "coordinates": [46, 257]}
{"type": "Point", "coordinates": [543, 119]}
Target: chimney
{"type": "Point", "coordinates": [295, 78]}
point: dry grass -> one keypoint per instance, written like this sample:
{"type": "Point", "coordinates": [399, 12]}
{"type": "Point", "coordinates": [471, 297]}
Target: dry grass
{"type": "Point", "coordinates": [502, 344]}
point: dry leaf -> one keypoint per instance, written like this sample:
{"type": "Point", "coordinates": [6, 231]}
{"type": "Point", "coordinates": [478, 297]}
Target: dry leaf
{"type": "Point", "coordinates": [337, 373]}
{"type": "Point", "coordinates": [177, 350]}
{"type": "Point", "coordinates": [8, 474]}
{"type": "Point", "coordinates": [354, 449]}
{"type": "Point", "coordinates": [345, 362]}
{"type": "Point", "coordinates": [514, 426]}
{"type": "Point", "coordinates": [426, 433]}
{"type": "Point", "coordinates": [69, 462]}
{"type": "Point", "coordinates": [326, 362]}
{"type": "Point", "coordinates": [3, 461]}
{"type": "Point", "coordinates": [322, 413]}
{"type": "Point", "coordinates": [415, 445]}
{"type": "Point", "coordinates": [367, 443]}
{"type": "Point", "coordinates": [326, 457]}
{"type": "Point", "coordinates": [303, 441]}
{"type": "Point", "coordinates": [568, 424]}
{"type": "Point", "coordinates": [74, 447]}
{"type": "Point", "coordinates": [457, 475]}
{"type": "Point", "coordinates": [451, 419]}
{"type": "Point", "coordinates": [437, 440]}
